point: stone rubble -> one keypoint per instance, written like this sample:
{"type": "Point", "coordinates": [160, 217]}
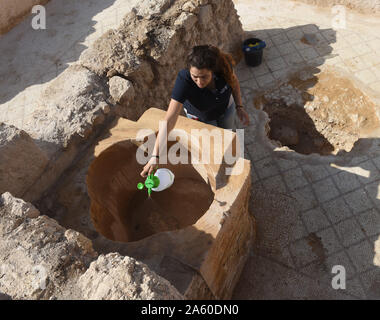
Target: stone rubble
{"type": "Point", "coordinates": [114, 277]}
{"type": "Point", "coordinates": [39, 259]}
{"type": "Point", "coordinates": [121, 90]}
{"type": "Point", "coordinates": [16, 149]}
{"type": "Point", "coordinates": [35, 255]}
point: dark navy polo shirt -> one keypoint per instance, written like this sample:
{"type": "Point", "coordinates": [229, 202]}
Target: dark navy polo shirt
{"type": "Point", "coordinates": [203, 103]}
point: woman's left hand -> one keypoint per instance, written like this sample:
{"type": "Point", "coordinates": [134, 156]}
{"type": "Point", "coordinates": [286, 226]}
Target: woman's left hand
{"type": "Point", "coordinates": [243, 116]}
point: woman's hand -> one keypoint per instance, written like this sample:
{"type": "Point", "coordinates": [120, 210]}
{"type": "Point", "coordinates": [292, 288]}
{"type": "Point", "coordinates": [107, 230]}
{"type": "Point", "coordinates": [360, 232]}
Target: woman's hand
{"type": "Point", "coordinates": [243, 115]}
{"type": "Point", "coordinates": [149, 167]}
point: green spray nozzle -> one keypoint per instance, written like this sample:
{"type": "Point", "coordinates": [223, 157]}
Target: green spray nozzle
{"type": "Point", "coordinates": [151, 182]}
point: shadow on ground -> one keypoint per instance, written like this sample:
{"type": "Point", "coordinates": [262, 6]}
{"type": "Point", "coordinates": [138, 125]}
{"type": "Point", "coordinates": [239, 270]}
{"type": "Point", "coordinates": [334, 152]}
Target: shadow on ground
{"type": "Point", "coordinates": [30, 57]}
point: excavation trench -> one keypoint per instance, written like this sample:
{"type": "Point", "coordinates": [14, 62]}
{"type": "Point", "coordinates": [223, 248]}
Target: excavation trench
{"type": "Point", "coordinates": [121, 212]}
{"type": "Point", "coordinates": [321, 113]}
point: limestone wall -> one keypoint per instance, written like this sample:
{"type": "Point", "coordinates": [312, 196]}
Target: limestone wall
{"type": "Point", "coordinates": [13, 11]}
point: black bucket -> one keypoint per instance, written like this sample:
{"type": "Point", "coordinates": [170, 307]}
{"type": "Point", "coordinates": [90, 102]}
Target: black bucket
{"type": "Point", "coordinates": [253, 51]}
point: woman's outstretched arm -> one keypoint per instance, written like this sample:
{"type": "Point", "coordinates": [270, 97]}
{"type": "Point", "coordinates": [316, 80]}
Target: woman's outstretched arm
{"type": "Point", "coordinates": [236, 93]}
{"type": "Point", "coordinates": [171, 117]}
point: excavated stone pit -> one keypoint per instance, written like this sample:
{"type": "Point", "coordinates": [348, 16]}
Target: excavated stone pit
{"type": "Point", "coordinates": [124, 213]}
{"type": "Point", "coordinates": [201, 222]}
{"type": "Point", "coordinates": [318, 112]}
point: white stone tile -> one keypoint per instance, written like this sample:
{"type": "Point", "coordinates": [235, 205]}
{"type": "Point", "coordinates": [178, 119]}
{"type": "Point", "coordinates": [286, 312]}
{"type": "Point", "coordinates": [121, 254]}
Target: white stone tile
{"type": "Point", "coordinates": [347, 53]}
{"type": "Point", "coordinates": [271, 53]}
{"type": "Point", "coordinates": [338, 46]}
{"type": "Point", "coordinates": [329, 35]}
{"type": "Point", "coordinates": [311, 28]}
{"type": "Point", "coordinates": [376, 71]}
{"type": "Point", "coordinates": [274, 184]}
{"type": "Point", "coordinates": [334, 60]}
{"type": "Point", "coordinates": [340, 36]}
{"type": "Point", "coordinates": [295, 179]}
{"type": "Point", "coordinates": [366, 76]}
{"type": "Point", "coordinates": [268, 43]}
{"type": "Point", "coordinates": [371, 59]}
{"type": "Point", "coordinates": [323, 48]}
{"type": "Point", "coordinates": [244, 74]}
{"type": "Point", "coordinates": [315, 220]}
{"type": "Point", "coordinates": [374, 45]}
{"type": "Point", "coordinates": [250, 84]}
{"type": "Point", "coordinates": [362, 49]}
{"type": "Point", "coordinates": [325, 190]}
{"type": "Point", "coordinates": [260, 70]}
{"type": "Point", "coordinates": [309, 54]}
{"type": "Point", "coordinates": [280, 39]}
{"type": "Point", "coordinates": [302, 252]}
{"type": "Point", "coordinates": [371, 283]}
{"type": "Point", "coordinates": [375, 86]}
{"type": "Point", "coordinates": [241, 65]}
{"type": "Point", "coordinates": [265, 79]}
{"type": "Point", "coordinates": [329, 240]}
{"type": "Point", "coordinates": [346, 32]}
{"type": "Point", "coordinates": [337, 210]}
{"type": "Point", "coordinates": [349, 232]}
{"type": "Point", "coordinates": [293, 58]}
{"type": "Point", "coordinates": [367, 36]}
{"type": "Point", "coordinates": [266, 168]}
{"type": "Point", "coordinates": [354, 40]}
{"type": "Point", "coordinates": [261, 34]}
{"type": "Point", "coordinates": [276, 64]}
{"type": "Point", "coordinates": [295, 33]}
{"type": "Point", "coordinates": [281, 74]}
{"type": "Point", "coordinates": [370, 221]}
{"type": "Point", "coordinates": [305, 198]}
{"type": "Point", "coordinates": [358, 201]}
{"type": "Point", "coordinates": [246, 91]}
{"type": "Point", "coordinates": [300, 45]}
{"type": "Point", "coordinates": [274, 31]}
{"type": "Point", "coordinates": [319, 61]}
{"type": "Point", "coordinates": [320, 37]}
{"type": "Point", "coordinates": [346, 181]}
{"type": "Point", "coordinates": [355, 64]}
{"type": "Point", "coordinates": [286, 48]}
{"type": "Point", "coordinates": [362, 256]}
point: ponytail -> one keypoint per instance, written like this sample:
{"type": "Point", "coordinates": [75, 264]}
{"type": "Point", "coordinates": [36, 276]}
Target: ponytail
{"type": "Point", "coordinates": [224, 65]}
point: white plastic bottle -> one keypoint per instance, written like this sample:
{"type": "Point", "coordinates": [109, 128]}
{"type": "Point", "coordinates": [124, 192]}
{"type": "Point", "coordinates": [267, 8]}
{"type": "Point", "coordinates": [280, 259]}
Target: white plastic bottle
{"type": "Point", "coordinates": [166, 179]}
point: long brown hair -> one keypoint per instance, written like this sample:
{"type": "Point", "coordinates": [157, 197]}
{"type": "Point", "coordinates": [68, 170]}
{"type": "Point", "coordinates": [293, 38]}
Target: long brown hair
{"type": "Point", "coordinates": [214, 59]}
